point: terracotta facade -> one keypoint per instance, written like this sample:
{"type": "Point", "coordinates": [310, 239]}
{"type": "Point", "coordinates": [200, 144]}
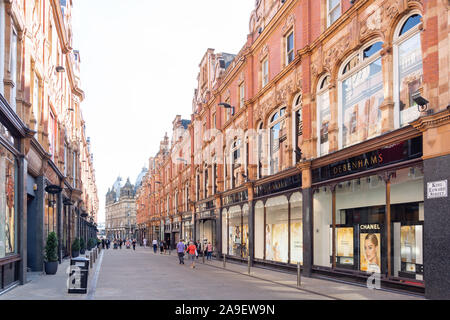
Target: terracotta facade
{"type": "Point", "coordinates": [41, 107]}
{"type": "Point", "coordinates": [337, 92]}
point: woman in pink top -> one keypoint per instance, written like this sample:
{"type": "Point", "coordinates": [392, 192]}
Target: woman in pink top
{"type": "Point", "coordinates": [209, 250]}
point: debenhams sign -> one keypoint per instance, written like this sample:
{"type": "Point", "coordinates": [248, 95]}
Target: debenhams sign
{"type": "Point", "coordinates": [406, 150]}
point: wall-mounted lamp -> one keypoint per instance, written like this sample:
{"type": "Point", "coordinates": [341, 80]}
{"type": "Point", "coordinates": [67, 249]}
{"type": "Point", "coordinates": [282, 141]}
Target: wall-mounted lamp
{"type": "Point", "coordinates": [227, 106]}
{"type": "Point", "coordinates": [422, 103]}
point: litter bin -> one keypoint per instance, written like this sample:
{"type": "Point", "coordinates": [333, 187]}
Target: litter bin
{"type": "Point", "coordinates": [78, 275]}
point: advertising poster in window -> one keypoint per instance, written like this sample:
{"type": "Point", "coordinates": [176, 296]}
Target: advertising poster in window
{"type": "Point", "coordinates": [344, 243]}
{"type": "Point", "coordinates": [408, 247]}
{"type": "Point", "coordinates": [276, 246]}
{"type": "Point", "coordinates": [370, 248]}
{"type": "Point", "coordinates": [296, 242]}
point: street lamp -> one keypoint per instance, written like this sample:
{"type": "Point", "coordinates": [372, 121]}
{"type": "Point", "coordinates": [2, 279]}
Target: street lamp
{"type": "Point", "coordinates": [422, 103]}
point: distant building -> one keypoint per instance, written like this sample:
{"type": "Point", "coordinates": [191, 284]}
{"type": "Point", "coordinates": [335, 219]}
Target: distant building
{"type": "Point", "coordinates": [120, 208]}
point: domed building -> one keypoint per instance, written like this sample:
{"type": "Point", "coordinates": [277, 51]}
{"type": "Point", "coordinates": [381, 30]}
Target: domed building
{"type": "Point", "coordinates": [120, 208]}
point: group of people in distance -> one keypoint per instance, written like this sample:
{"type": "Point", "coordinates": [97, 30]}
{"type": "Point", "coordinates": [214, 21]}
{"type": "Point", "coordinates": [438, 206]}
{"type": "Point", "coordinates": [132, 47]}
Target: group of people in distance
{"type": "Point", "coordinates": [117, 243]}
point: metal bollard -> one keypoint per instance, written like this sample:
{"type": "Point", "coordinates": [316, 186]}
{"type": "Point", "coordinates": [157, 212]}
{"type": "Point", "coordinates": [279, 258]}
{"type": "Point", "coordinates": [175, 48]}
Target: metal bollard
{"type": "Point", "coordinates": [249, 265]}
{"type": "Point", "coordinates": [299, 277]}
{"type": "Point", "coordinates": [170, 252]}
{"type": "Point", "coordinates": [203, 258]}
{"type": "Point", "coordinates": [224, 261]}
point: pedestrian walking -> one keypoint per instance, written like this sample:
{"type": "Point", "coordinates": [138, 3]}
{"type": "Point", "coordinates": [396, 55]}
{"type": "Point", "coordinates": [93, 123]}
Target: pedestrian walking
{"type": "Point", "coordinates": [161, 247]}
{"type": "Point", "coordinates": [155, 245]}
{"type": "Point", "coordinates": [209, 250]}
{"type": "Point", "coordinates": [192, 251]}
{"type": "Point", "coordinates": [103, 244]}
{"type": "Point", "coordinates": [180, 251]}
{"type": "Point", "coordinates": [107, 244]}
{"type": "Point", "coordinates": [134, 244]}
{"type": "Point", "coordinates": [199, 247]}
{"type": "Point", "coordinates": [145, 243]}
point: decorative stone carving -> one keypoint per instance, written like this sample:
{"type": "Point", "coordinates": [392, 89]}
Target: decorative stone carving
{"type": "Point", "coordinates": [290, 20]}
{"type": "Point", "coordinates": [264, 52]}
{"type": "Point", "coordinates": [336, 51]}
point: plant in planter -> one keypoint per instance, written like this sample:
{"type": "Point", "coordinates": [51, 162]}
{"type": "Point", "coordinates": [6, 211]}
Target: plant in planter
{"type": "Point", "coordinates": [91, 244]}
{"type": "Point", "coordinates": [82, 246]}
{"type": "Point", "coordinates": [51, 256]}
{"type": "Point", "coordinates": [75, 248]}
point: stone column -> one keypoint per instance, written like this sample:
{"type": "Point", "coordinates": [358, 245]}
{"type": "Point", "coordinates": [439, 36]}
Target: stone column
{"type": "Point", "coordinates": [251, 223]}
{"type": "Point", "coordinates": [308, 217]}
{"type": "Point", "coordinates": [218, 224]}
{"type": "Point", "coordinates": [387, 107]}
{"type": "Point", "coordinates": [436, 242]}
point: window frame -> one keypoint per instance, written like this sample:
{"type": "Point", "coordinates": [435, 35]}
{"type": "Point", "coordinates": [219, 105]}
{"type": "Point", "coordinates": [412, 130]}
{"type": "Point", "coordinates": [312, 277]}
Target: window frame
{"type": "Point", "coordinates": [287, 51]}
{"type": "Point", "coordinates": [319, 93]}
{"type": "Point", "coordinates": [329, 10]}
{"type": "Point", "coordinates": [296, 107]}
{"type": "Point", "coordinates": [272, 124]}
{"type": "Point", "coordinates": [362, 63]}
{"type": "Point", "coordinates": [264, 75]}
{"type": "Point", "coordinates": [397, 41]}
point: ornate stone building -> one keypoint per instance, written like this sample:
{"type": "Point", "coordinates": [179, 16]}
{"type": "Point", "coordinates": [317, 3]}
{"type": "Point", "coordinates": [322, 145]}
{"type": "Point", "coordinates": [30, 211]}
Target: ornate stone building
{"type": "Point", "coordinates": [46, 165]}
{"type": "Point", "coordinates": [120, 208]}
{"type": "Point", "coordinates": [326, 135]}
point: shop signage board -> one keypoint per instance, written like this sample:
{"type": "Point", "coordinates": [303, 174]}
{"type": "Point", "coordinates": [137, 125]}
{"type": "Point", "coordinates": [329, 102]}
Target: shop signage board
{"type": "Point", "coordinates": [406, 150]}
{"type": "Point", "coordinates": [437, 189]}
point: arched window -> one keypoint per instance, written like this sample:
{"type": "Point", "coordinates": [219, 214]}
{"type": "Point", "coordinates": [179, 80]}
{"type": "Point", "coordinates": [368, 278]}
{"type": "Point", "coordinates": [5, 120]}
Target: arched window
{"type": "Point", "coordinates": [235, 162]}
{"type": "Point", "coordinates": [323, 116]}
{"type": "Point", "coordinates": [260, 150]}
{"type": "Point", "coordinates": [408, 70]}
{"type": "Point", "coordinates": [297, 124]}
{"type": "Point", "coordinates": [360, 96]}
{"type": "Point", "coordinates": [277, 137]}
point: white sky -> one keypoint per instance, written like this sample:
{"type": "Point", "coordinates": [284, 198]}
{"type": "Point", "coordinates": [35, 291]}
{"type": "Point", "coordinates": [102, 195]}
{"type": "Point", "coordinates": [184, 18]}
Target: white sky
{"type": "Point", "coordinates": [139, 67]}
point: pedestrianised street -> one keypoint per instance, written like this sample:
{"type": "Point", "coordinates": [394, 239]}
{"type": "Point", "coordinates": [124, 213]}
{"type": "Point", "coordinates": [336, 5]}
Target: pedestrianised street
{"type": "Point", "coordinates": [125, 274]}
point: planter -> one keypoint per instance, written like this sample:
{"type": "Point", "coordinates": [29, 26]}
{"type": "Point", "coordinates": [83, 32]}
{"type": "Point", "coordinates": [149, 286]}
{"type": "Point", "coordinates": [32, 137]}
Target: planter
{"type": "Point", "coordinates": [75, 254]}
{"type": "Point", "coordinates": [51, 267]}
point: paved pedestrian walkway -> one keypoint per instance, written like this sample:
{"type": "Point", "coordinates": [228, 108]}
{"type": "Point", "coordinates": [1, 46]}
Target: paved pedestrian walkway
{"type": "Point", "coordinates": [48, 287]}
{"type": "Point", "coordinates": [142, 275]}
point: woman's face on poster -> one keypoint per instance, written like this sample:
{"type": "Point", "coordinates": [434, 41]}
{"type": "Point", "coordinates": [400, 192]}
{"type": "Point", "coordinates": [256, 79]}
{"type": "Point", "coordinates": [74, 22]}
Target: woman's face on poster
{"type": "Point", "coordinates": [371, 251]}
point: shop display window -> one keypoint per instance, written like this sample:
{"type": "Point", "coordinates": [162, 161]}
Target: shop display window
{"type": "Point", "coordinates": [296, 229]}
{"type": "Point", "coordinates": [322, 202]}
{"type": "Point", "coordinates": [276, 229]}
{"type": "Point", "coordinates": [259, 230]}
{"type": "Point", "coordinates": [407, 219]}
{"type": "Point", "coordinates": [225, 231]}
{"type": "Point", "coordinates": [234, 231]}
{"type": "Point", "coordinates": [360, 218]}
{"type": "Point", "coordinates": [8, 203]}
{"type": "Point", "coordinates": [244, 246]}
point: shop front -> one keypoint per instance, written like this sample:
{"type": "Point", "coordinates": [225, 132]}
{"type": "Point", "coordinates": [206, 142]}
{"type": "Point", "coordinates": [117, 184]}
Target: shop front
{"type": "Point", "coordinates": [205, 224]}
{"type": "Point", "coordinates": [12, 183]}
{"type": "Point", "coordinates": [369, 215]}
{"type": "Point", "coordinates": [187, 227]}
{"type": "Point", "coordinates": [167, 233]}
{"type": "Point", "coordinates": [235, 225]}
{"type": "Point", "coordinates": [278, 221]}
{"type": "Point", "coordinates": [175, 232]}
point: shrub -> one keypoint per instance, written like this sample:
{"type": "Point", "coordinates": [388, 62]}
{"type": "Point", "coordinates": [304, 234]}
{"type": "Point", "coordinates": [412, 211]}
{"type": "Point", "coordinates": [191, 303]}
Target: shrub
{"type": "Point", "coordinates": [82, 244]}
{"type": "Point", "coordinates": [51, 248]}
{"type": "Point", "coordinates": [76, 245]}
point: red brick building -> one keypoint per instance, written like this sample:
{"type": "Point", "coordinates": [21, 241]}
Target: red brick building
{"type": "Point", "coordinates": [323, 142]}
